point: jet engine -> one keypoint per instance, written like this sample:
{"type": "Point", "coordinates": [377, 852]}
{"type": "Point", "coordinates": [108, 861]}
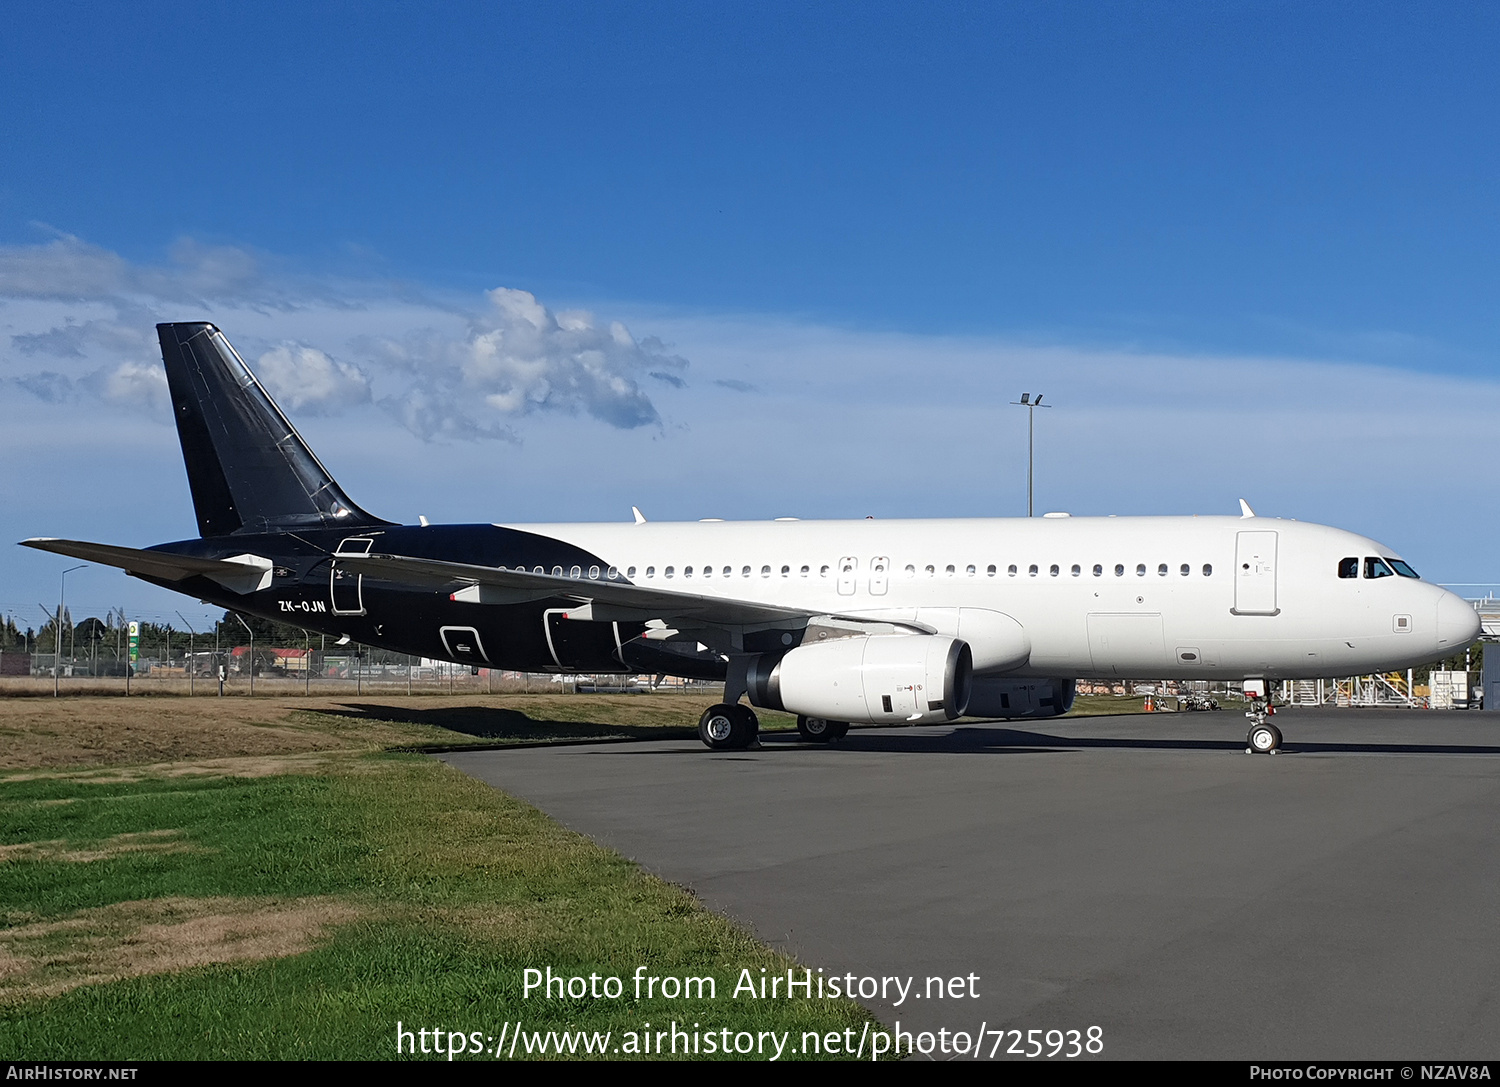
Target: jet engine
{"type": "Point", "coordinates": [920, 678]}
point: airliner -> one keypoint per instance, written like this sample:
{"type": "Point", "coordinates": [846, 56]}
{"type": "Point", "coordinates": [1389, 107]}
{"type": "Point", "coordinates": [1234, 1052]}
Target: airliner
{"type": "Point", "coordinates": [836, 622]}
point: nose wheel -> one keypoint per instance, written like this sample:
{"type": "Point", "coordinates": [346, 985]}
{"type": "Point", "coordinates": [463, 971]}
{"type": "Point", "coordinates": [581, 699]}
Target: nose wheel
{"type": "Point", "coordinates": [1263, 739]}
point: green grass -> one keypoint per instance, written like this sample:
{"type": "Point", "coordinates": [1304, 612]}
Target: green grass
{"type": "Point", "coordinates": [440, 891]}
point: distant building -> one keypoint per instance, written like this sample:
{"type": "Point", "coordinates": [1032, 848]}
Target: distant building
{"type": "Point", "coordinates": [288, 660]}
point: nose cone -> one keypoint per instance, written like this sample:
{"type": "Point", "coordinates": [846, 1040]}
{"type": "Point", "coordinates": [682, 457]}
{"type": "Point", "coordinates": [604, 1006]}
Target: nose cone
{"type": "Point", "coordinates": [1457, 622]}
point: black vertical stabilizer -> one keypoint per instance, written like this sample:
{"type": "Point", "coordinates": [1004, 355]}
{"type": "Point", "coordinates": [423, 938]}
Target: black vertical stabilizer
{"type": "Point", "coordinates": [249, 469]}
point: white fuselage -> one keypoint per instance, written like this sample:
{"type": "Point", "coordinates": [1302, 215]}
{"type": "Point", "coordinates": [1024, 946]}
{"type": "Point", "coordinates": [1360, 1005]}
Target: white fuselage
{"type": "Point", "coordinates": [1097, 597]}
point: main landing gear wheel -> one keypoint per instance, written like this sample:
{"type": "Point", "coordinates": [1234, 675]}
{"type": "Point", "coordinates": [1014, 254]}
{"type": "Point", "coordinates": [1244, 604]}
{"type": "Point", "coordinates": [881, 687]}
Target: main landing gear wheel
{"type": "Point", "coordinates": [820, 730]}
{"type": "Point", "coordinates": [728, 728]}
{"type": "Point", "coordinates": [1264, 739]}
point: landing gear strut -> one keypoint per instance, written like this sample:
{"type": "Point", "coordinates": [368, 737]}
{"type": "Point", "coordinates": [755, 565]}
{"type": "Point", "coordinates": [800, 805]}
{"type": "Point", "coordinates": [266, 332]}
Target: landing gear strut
{"type": "Point", "coordinates": [728, 728]}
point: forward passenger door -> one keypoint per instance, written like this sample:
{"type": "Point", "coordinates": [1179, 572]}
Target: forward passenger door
{"type": "Point", "coordinates": [1255, 573]}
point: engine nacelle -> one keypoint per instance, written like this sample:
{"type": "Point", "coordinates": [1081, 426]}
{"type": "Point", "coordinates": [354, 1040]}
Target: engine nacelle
{"type": "Point", "coordinates": [1010, 698]}
{"type": "Point", "coordinates": [920, 678]}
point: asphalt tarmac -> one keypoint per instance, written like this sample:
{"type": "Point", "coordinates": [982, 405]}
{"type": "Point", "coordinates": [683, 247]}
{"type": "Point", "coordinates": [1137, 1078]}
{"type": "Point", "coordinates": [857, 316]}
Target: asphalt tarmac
{"type": "Point", "coordinates": [1141, 874]}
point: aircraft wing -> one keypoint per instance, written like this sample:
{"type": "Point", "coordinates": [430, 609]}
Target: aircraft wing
{"type": "Point", "coordinates": [598, 599]}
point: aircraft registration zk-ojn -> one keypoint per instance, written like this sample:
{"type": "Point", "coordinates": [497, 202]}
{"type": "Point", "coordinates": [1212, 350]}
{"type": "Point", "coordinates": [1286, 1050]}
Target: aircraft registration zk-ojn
{"type": "Point", "coordinates": [871, 621]}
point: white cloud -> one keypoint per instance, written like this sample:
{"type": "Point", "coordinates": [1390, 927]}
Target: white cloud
{"type": "Point", "coordinates": [444, 375]}
{"type": "Point", "coordinates": [519, 358]}
{"type": "Point", "coordinates": [138, 384]}
{"type": "Point", "coordinates": [69, 268]}
{"type": "Point", "coordinates": [303, 378]}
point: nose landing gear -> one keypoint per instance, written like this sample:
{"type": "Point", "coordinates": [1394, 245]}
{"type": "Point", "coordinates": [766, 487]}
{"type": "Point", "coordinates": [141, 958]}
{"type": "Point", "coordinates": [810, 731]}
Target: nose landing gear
{"type": "Point", "coordinates": [1263, 738]}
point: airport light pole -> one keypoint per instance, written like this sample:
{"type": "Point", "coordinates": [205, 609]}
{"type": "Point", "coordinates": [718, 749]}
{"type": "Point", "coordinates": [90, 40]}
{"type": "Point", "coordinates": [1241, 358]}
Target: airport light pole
{"type": "Point", "coordinates": [1030, 405]}
{"type": "Point", "coordinates": [252, 650]}
{"type": "Point", "coordinates": [57, 646]}
{"type": "Point", "coordinates": [192, 661]}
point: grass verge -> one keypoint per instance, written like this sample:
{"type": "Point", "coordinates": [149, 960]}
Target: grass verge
{"type": "Point", "coordinates": [300, 899]}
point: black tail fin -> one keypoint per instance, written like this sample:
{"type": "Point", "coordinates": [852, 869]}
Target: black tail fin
{"type": "Point", "coordinates": [249, 469]}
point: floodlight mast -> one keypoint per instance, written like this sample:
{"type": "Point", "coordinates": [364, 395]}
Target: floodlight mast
{"type": "Point", "coordinates": [1030, 405]}
{"type": "Point", "coordinates": [62, 592]}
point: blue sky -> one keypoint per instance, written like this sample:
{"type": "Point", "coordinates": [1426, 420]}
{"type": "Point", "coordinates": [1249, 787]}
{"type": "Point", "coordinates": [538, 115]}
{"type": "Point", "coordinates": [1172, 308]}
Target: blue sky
{"type": "Point", "coordinates": [1247, 248]}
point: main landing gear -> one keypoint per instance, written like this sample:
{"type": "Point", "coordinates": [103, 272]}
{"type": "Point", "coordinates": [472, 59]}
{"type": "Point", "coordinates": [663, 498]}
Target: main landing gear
{"type": "Point", "coordinates": [820, 730]}
{"type": "Point", "coordinates": [728, 728]}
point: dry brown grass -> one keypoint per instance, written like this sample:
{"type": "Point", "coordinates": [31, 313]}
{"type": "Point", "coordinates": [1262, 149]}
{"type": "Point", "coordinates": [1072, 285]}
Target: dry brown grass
{"type": "Point", "coordinates": [146, 841]}
{"type": "Point", "coordinates": [93, 731]}
{"type": "Point", "coordinates": [157, 936]}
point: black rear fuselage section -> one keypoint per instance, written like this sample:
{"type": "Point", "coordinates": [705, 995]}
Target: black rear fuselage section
{"type": "Point", "coordinates": [310, 587]}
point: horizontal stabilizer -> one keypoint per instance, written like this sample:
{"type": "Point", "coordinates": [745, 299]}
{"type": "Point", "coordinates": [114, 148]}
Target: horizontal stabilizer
{"type": "Point", "coordinates": [241, 574]}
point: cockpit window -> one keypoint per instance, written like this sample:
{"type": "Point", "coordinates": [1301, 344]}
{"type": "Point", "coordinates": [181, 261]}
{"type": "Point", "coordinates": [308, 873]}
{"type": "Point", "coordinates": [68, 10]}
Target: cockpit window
{"type": "Point", "coordinates": [1403, 569]}
{"type": "Point", "coordinates": [1376, 567]}
{"type": "Point", "coordinates": [1349, 567]}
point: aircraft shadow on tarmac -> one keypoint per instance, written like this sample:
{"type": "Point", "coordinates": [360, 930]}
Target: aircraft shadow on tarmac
{"type": "Point", "coordinates": [494, 723]}
{"type": "Point", "coordinates": [1010, 741]}
{"type": "Point", "coordinates": [485, 722]}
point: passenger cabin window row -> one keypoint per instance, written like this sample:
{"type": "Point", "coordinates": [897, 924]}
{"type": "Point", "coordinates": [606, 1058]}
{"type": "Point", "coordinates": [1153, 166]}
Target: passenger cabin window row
{"type": "Point", "coordinates": [930, 570]}
{"type": "Point", "coordinates": [1375, 567]}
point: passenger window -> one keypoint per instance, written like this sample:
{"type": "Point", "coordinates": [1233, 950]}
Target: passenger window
{"type": "Point", "coordinates": [785, 570]}
{"type": "Point", "coordinates": [650, 571]}
{"type": "Point", "coordinates": [822, 571]}
{"type": "Point", "coordinates": [1031, 570]}
{"type": "Point", "coordinates": [1098, 570]}
{"type": "Point", "coordinates": [1011, 569]}
{"type": "Point", "coordinates": [1208, 570]}
{"type": "Point", "coordinates": [594, 573]}
{"type": "Point", "coordinates": [990, 570]}
{"type": "Point", "coordinates": [1186, 569]}
{"type": "Point", "coordinates": [557, 571]}
{"type": "Point", "coordinates": [1162, 570]}
{"type": "Point", "coordinates": [1077, 569]}
{"type": "Point", "coordinates": [804, 571]}
{"type": "Point", "coordinates": [745, 572]}
{"type": "Point", "coordinates": [931, 571]}
{"type": "Point", "coordinates": [911, 571]}
{"type": "Point", "coordinates": [1053, 570]}
{"type": "Point", "coordinates": [687, 571]}
{"type": "Point", "coordinates": [708, 571]}
{"type": "Point", "coordinates": [577, 571]}
{"type": "Point", "coordinates": [1119, 569]}
{"type": "Point", "coordinates": [971, 570]}
{"type": "Point", "coordinates": [950, 570]}
{"type": "Point", "coordinates": [729, 571]}
{"type": "Point", "coordinates": [630, 572]}
{"type": "Point", "coordinates": [765, 571]}
{"type": "Point", "coordinates": [1349, 568]}
{"type": "Point", "coordinates": [1140, 569]}
{"type": "Point", "coordinates": [1375, 567]}
{"type": "Point", "coordinates": [613, 572]}
{"type": "Point", "coordinates": [667, 572]}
